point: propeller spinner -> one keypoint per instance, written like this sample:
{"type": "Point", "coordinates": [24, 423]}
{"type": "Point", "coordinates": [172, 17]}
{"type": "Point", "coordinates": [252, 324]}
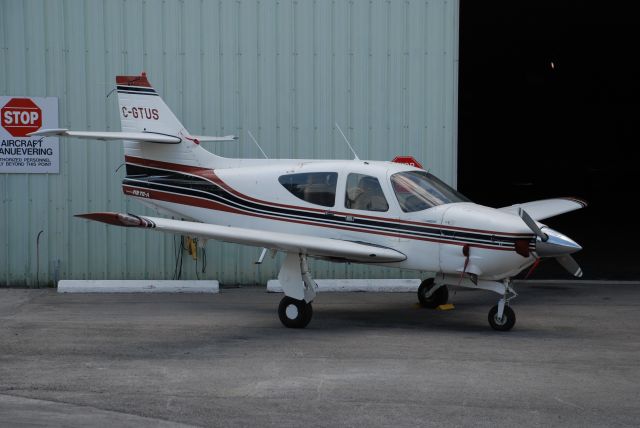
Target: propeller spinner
{"type": "Point", "coordinates": [551, 243]}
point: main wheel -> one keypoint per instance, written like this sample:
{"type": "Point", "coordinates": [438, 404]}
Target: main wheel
{"type": "Point", "coordinates": [506, 323]}
{"type": "Point", "coordinates": [437, 298]}
{"type": "Point", "coordinates": [294, 313]}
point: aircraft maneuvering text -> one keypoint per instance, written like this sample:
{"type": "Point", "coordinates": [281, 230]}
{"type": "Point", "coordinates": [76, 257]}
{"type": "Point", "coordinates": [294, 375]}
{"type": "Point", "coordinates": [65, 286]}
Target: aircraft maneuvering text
{"type": "Point", "coordinates": [354, 211]}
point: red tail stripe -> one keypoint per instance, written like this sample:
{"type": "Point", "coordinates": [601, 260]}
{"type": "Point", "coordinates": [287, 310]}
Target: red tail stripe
{"type": "Point", "coordinates": [133, 80]}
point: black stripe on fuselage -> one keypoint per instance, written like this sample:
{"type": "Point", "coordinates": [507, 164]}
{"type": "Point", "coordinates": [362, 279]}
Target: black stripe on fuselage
{"type": "Point", "coordinates": [184, 184]}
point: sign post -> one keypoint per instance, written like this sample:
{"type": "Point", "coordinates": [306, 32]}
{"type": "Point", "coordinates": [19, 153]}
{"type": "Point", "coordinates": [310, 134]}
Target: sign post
{"type": "Point", "coordinates": [20, 153]}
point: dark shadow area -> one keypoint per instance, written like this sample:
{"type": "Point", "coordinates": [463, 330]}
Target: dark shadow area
{"type": "Point", "coordinates": [549, 106]}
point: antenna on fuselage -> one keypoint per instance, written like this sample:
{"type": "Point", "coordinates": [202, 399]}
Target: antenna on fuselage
{"type": "Point", "coordinates": [347, 141]}
{"type": "Point", "coordinates": [256, 141]}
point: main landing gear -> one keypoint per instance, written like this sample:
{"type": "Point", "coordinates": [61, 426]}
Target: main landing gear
{"type": "Point", "coordinates": [294, 313]}
{"type": "Point", "coordinates": [432, 295]}
{"type": "Point", "coordinates": [433, 292]}
{"type": "Point", "coordinates": [295, 310]}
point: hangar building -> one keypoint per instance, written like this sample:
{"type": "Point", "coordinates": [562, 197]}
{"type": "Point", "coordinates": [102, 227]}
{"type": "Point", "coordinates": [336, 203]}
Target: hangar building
{"type": "Point", "coordinates": [284, 70]}
{"type": "Point", "coordinates": [509, 101]}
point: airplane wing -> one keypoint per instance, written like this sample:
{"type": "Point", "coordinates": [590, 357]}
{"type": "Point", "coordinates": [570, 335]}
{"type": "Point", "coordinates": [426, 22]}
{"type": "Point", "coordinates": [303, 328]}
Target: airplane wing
{"type": "Point", "coordinates": [546, 208]}
{"type": "Point", "coordinates": [288, 242]}
{"type": "Point", "coordinates": [144, 137]}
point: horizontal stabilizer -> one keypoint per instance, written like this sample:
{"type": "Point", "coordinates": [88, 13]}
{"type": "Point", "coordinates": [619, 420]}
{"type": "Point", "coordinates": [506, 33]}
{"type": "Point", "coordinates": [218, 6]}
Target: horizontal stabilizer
{"type": "Point", "coordinates": [547, 208]}
{"type": "Point", "coordinates": [141, 137]}
{"type": "Point", "coordinates": [203, 138]}
{"type": "Point", "coordinates": [334, 249]}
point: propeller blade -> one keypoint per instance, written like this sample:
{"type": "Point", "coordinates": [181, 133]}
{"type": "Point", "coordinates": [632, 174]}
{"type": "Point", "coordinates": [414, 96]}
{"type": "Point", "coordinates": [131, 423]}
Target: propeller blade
{"type": "Point", "coordinates": [570, 264]}
{"type": "Point", "coordinates": [532, 224]}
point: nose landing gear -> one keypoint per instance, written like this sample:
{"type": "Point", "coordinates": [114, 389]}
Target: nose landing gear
{"type": "Point", "coordinates": [503, 323]}
{"type": "Point", "coordinates": [501, 316]}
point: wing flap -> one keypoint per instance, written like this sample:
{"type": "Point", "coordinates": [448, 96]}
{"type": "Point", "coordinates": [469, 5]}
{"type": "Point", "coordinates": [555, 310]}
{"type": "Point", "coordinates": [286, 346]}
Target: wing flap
{"type": "Point", "coordinates": [287, 242]}
{"type": "Point", "coordinates": [546, 208]}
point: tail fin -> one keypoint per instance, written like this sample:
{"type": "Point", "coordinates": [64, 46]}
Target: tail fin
{"type": "Point", "coordinates": [143, 110]}
{"type": "Point", "coordinates": [150, 130]}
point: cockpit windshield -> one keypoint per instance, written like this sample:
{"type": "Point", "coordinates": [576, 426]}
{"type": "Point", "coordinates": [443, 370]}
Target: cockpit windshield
{"type": "Point", "coordinates": [419, 190]}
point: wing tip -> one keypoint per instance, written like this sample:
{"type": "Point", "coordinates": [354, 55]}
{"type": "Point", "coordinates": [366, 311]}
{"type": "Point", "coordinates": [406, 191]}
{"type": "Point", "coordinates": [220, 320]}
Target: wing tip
{"type": "Point", "coordinates": [580, 201]}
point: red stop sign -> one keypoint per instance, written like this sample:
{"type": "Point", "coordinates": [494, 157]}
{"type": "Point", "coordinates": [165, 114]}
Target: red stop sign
{"type": "Point", "coordinates": [21, 116]}
{"type": "Point", "coordinates": [407, 160]}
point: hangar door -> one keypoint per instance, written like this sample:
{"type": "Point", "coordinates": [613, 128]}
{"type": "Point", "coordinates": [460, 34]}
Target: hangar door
{"type": "Point", "coordinates": [549, 100]}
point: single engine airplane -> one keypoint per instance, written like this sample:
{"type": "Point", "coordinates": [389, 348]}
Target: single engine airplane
{"type": "Point", "coordinates": [355, 211]}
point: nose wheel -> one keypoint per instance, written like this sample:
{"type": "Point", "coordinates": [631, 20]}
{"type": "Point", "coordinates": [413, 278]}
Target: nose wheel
{"type": "Point", "coordinates": [504, 322]}
{"type": "Point", "coordinates": [294, 313]}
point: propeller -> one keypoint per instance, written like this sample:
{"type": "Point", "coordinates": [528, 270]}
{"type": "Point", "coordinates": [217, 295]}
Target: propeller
{"type": "Point", "coordinates": [570, 264]}
{"type": "Point", "coordinates": [532, 225]}
{"type": "Point", "coordinates": [553, 245]}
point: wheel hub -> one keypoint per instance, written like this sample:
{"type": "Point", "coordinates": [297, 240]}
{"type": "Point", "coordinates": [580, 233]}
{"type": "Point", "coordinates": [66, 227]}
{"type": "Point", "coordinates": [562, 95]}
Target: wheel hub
{"type": "Point", "coordinates": [500, 320]}
{"type": "Point", "coordinates": [292, 312]}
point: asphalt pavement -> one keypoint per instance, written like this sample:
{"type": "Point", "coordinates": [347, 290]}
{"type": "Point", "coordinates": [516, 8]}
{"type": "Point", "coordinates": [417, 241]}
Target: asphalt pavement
{"type": "Point", "coordinates": [366, 359]}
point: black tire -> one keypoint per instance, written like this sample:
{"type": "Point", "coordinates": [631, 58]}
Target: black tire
{"type": "Point", "coordinates": [439, 297]}
{"type": "Point", "coordinates": [294, 313]}
{"type": "Point", "coordinates": [506, 323]}
{"type": "Point", "coordinates": [309, 312]}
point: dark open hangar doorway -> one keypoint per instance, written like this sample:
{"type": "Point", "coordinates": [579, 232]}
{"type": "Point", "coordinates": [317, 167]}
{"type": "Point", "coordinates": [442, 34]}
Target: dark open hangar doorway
{"type": "Point", "coordinates": [550, 106]}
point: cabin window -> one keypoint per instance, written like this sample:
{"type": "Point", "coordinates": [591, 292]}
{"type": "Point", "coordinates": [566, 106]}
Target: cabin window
{"type": "Point", "coordinates": [364, 193]}
{"type": "Point", "coordinates": [314, 187]}
{"type": "Point", "coordinates": [419, 190]}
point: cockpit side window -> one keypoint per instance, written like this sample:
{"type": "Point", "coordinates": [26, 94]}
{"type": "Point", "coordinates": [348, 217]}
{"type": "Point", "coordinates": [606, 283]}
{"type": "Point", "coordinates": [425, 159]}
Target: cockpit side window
{"type": "Point", "coordinates": [364, 193]}
{"type": "Point", "coordinates": [314, 187]}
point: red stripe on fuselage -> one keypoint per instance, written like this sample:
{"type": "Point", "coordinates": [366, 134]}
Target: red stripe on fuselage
{"type": "Point", "coordinates": [212, 205]}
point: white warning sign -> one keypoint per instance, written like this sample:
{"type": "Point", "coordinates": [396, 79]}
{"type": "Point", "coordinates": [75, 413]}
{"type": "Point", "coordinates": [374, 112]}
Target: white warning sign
{"type": "Point", "coordinates": [20, 153]}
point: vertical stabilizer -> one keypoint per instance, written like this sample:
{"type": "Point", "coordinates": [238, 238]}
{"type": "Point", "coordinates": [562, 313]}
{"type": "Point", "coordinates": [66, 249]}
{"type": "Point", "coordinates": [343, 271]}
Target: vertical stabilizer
{"type": "Point", "coordinates": [143, 110]}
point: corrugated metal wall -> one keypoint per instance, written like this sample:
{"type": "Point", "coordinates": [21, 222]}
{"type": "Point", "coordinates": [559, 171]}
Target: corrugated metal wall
{"type": "Point", "coordinates": [286, 70]}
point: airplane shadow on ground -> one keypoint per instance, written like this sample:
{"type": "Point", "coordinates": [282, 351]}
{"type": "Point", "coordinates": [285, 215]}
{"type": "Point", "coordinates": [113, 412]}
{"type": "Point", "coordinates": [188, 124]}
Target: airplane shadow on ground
{"type": "Point", "coordinates": [408, 316]}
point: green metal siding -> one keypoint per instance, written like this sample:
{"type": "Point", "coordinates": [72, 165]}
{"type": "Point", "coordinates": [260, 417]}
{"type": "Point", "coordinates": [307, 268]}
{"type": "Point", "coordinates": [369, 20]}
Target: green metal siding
{"type": "Point", "coordinates": [386, 71]}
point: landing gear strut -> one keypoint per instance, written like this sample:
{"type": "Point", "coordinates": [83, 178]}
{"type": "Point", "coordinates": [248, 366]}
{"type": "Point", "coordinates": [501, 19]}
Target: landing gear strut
{"type": "Point", "coordinates": [295, 309]}
{"type": "Point", "coordinates": [501, 316]}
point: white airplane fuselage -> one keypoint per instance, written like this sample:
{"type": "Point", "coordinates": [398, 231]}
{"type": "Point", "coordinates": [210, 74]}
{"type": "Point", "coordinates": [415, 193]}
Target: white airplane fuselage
{"type": "Point", "coordinates": [249, 195]}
